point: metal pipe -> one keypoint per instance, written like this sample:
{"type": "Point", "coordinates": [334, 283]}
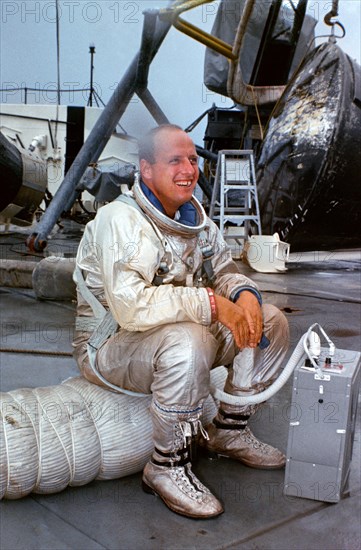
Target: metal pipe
{"type": "Point", "coordinates": [205, 38]}
{"type": "Point", "coordinates": [146, 48]}
{"type": "Point", "coordinates": [94, 145]}
{"type": "Point", "coordinates": [152, 106]}
{"type": "Point", "coordinates": [213, 157]}
{"type": "Point", "coordinates": [92, 53]}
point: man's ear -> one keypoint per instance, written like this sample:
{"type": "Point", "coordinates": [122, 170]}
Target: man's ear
{"type": "Point", "coordinates": [145, 169]}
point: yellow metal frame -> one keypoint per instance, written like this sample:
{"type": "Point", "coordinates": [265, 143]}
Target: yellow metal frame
{"type": "Point", "coordinates": [172, 14]}
{"type": "Point", "coordinates": [245, 93]}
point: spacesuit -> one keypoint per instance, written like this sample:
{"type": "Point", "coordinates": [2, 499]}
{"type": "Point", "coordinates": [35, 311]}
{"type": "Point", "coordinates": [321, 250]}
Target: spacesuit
{"type": "Point", "coordinates": [154, 276]}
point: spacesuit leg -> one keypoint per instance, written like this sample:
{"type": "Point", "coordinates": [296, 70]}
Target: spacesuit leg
{"type": "Point", "coordinates": [173, 363]}
{"type": "Point", "coordinates": [252, 371]}
{"type": "Point", "coordinates": [180, 386]}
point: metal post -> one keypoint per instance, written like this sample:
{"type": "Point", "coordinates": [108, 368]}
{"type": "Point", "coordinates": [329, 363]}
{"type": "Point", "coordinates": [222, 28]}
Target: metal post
{"type": "Point", "coordinates": [146, 48]}
{"type": "Point", "coordinates": [94, 144]}
{"type": "Point", "coordinates": [92, 52]}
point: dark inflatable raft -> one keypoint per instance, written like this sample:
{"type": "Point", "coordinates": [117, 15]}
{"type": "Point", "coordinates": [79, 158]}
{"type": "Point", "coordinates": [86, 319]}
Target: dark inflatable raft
{"type": "Point", "coordinates": [309, 167]}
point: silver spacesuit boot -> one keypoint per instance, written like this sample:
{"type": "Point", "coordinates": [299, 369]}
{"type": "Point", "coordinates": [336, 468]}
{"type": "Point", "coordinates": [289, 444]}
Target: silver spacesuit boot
{"type": "Point", "coordinates": [230, 435]}
{"type": "Point", "coordinates": [169, 472]}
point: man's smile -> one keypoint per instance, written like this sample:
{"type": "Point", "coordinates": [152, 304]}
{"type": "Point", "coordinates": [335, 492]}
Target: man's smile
{"type": "Point", "coordinates": [184, 183]}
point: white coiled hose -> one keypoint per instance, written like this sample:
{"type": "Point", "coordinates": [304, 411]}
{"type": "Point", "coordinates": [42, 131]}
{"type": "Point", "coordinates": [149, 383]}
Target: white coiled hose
{"type": "Point", "coordinates": [262, 396]}
{"type": "Point", "coordinates": [73, 433]}
{"type": "Point", "coordinates": [303, 348]}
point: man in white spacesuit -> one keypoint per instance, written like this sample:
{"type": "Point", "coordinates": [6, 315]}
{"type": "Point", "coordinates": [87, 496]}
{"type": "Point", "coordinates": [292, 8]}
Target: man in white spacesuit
{"type": "Point", "coordinates": [176, 306]}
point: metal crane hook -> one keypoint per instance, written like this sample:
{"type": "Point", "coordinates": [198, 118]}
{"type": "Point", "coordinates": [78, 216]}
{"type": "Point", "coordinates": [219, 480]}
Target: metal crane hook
{"type": "Point", "coordinates": [328, 20]}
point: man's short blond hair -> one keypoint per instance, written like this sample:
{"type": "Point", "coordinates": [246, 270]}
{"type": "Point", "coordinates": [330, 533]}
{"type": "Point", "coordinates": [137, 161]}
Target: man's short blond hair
{"type": "Point", "coordinates": [147, 142]}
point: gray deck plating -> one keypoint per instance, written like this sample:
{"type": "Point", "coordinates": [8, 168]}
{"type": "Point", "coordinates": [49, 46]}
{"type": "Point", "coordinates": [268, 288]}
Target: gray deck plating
{"type": "Point", "coordinates": [117, 514]}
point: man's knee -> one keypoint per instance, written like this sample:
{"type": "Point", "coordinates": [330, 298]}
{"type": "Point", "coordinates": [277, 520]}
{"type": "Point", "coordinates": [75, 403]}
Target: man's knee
{"type": "Point", "coordinates": [188, 344]}
{"type": "Point", "coordinates": [182, 368]}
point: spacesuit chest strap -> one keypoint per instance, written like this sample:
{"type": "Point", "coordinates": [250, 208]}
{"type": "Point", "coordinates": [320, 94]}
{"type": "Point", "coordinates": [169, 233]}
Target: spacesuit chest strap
{"type": "Point", "coordinates": [207, 254]}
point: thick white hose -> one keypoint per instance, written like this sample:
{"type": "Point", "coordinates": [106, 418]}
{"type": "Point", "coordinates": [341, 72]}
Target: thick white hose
{"type": "Point", "coordinates": [73, 433]}
{"type": "Point", "coordinates": [241, 400]}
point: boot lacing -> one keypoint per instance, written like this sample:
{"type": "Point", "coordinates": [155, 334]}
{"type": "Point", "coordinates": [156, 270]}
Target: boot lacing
{"type": "Point", "coordinates": [183, 475]}
{"type": "Point", "coordinates": [203, 431]}
{"type": "Point", "coordinates": [190, 428]}
{"type": "Point", "coordinates": [187, 482]}
{"type": "Point", "coordinates": [248, 437]}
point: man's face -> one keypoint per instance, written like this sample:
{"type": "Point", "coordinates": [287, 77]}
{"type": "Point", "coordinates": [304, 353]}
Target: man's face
{"type": "Point", "coordinates": [174, 174]}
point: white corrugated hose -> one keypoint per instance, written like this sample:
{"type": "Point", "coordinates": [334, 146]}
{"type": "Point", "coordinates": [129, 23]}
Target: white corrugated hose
{"type": "Point", "coordinates": [73, 433]}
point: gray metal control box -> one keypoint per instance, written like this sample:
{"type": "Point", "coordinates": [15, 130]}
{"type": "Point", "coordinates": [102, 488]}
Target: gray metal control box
{"type": "Point", "coordinates": [322, 427]}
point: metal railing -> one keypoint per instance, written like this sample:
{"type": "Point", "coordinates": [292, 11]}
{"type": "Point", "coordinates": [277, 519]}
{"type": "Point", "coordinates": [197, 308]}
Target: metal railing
{"type": "Point", "coordinates": [25, 91]}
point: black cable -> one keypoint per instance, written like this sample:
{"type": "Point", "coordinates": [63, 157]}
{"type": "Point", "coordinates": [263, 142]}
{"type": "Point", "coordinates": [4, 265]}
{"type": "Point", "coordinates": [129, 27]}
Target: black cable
{"type": "Point", "coordinates": [329, 299]}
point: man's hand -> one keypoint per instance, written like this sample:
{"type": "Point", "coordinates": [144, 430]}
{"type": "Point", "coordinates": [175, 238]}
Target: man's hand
{"type": "Point", "coordinates": [244, 318]}
{"type": "Point", "coordinates": [249, 303]}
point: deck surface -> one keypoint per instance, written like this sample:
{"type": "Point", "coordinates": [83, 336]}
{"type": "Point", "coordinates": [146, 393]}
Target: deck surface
{"type": "Point", "coordinates": [117, 514]}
